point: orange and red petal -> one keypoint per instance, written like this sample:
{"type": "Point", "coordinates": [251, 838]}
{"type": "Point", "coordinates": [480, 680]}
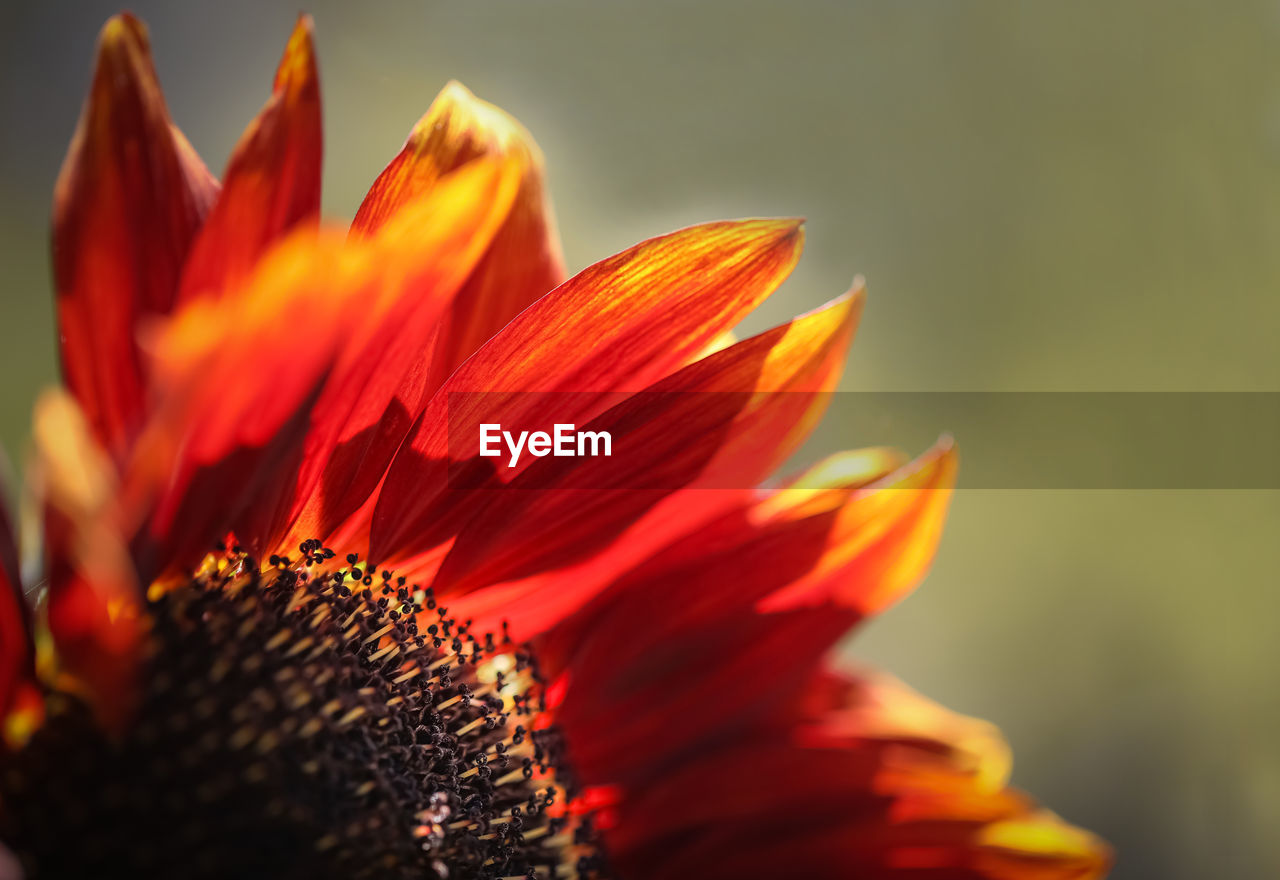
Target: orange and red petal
{"type": "Point", "coordinates": [272, 182]}
{"type": "Point", "coordinates": [522, 262]}
{"type": "Point", "coordinates": [882, 539]}
{"type": "Point", "coordinates": [531, 606]}
{"type": "Point", "coordinates": [817, 546]}
{"type": "Point", "coordinates": [793, 370]}
{"type": "Point", "coordinates": [130, 197]}
{"type": "Point", "coordinates": [617, 326]}
{"type": "Point", "coordinates": [726, 421]}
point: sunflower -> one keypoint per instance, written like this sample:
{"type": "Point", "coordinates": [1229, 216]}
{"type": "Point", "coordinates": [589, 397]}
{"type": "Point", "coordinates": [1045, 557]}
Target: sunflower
{"type": "Point", "coordinates": [277, 629]}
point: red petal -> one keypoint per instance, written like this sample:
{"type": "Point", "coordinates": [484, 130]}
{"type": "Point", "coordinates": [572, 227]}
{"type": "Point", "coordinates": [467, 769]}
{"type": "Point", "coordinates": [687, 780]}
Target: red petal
{"type": "Point", "coordinates": [272, 181]}
{"type": "Point", "coordinates": [727, 420]}
{"type": "Point", "coordinates": [523, 261]}
{"type": "Point", "coordinates": [531, 606]}
{"type": "Point", "coordinates": [130, 197]}
{"type": "Point", "coordinates": [258, 387]}
{"type": "Point", "coordinates": [618, 325]}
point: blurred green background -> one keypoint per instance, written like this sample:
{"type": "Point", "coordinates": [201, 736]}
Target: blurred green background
{"type": "Point", "coordinates": [1042, 196]}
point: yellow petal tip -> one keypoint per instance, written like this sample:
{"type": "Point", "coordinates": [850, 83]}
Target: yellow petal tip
{"type": "Point", "coordinates": [124, 50]}
{"type": "Point", "coordinates": [297, 66]}
{"type": "Point", "coordinates": [1045, 837]}
{"type": "Point", "coordinates": [122, 30]}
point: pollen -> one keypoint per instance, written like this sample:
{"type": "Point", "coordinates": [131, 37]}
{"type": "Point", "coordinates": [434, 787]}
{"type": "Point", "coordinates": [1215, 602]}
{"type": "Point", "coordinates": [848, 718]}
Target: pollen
{"type": "Point", "coordinates": [306, 719]}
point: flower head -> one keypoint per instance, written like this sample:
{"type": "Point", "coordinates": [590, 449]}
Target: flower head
{"type": "Point", "coordinates": [280, 630]}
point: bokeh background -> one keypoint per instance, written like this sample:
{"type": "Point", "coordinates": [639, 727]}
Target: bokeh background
{"type": "Point", "coordinates": [1042, 196]}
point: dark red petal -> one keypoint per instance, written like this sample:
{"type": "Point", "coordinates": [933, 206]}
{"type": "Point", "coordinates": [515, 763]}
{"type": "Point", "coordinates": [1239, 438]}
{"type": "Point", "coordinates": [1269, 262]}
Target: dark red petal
{"type": "Point", "coordinates": [17, 651]}
{"type": "Point", "coordinates": [636, 698]}
{"type": "Point", "coordinates": [98, 643]}
{"type": "Point", "coordinates": [877, 782]}
{"type": "Point", "coordinates": [272, 181]}
{"type": "Point", "coordinates": [617, 326]}
{"type": "Point", "coordinates": [129, 199]}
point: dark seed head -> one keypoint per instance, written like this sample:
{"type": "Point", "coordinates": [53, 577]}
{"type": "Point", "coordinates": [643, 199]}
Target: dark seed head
{"type": "Point", "coordinates": [290, 728]}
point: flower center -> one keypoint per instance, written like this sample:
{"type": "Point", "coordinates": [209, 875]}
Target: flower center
{"type": "Point", "coordinates": [307, 720]}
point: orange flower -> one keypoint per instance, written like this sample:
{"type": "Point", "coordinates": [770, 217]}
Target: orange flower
{"type": "Point", "coordinates": [213, 677]}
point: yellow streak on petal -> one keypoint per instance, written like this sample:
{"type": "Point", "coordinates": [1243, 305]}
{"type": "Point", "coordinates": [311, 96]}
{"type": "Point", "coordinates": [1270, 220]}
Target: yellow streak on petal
{"type": "Point", "coordinates": [1035, 837]}
{"type": "Point", "coordinates": [298, 60]}
{"type": "Point", "coordinates": [77, 476]}
{"type": "Point", "coordinates": [1038, 846]}
{"type": "Point", "coordinates": [24, 718]}
{"type": "Point", "coordinates": [720, 343]}
{"type": "Point", "coordinates": [974, 746]}
{"type": "Point", "coordinates": [844, 470]}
